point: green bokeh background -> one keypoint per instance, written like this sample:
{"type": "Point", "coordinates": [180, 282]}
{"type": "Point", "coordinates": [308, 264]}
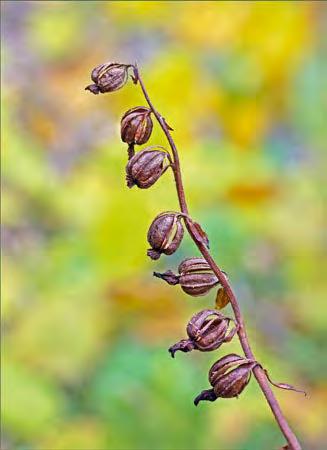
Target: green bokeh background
{"type": "Point", "coordinates": [85, 326]}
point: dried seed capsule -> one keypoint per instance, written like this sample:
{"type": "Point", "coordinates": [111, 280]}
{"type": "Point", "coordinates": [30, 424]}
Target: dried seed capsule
{"type": "Point", "coordinates": [228, 377]}
{"type": "Point", "coordinates": [165, 234]}
{"type": "Point", "coordinates": [144, 168]}
{"type": "Point", "coordinates": [196, 277]}
{"type": "Point", "coordinates": [193, 265]}
{"type": "Point", "coordinates": [207, 330]}
{"type": "Point", "coordinates": [233, 383]}
{"type": "Point", "coordinates": [223, 365]}
{"type": "Point", "coordinates": [198, 283]}
{"type": "Point", "coordinates": [136, 126]}
{"type": "Point", "coordinates": [108, 77]}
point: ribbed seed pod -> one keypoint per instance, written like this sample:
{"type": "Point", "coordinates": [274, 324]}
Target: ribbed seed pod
{"type": "Point", "coordinates": [234, 382]}
{"type": "Point", "coordinates": [194, 264]}
{"type": "Point", "coordinates": [136, 126]}
{"type": "Point", "coordinates": [108, 77]}
{"type": "Point", "coordinates": [228, 376]}
{"type": "Point", "coordinates": [165, 234]}
{"type": "Point", "coordinates": [198, 283]}
{"type": "Point", "coordinates": [223, 365]}
{"type": "Point", "coordinates": [207, 330]}
{"type": "Point", "coordinates": [145, 168]}
{"type": "Point", "coordinates": [195, 277]}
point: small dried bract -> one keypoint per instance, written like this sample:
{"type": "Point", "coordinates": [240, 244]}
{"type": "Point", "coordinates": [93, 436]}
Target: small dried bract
{"type": "Point", "coordinates": [165, 234]}
{"type": "Point", "coordinates": [207, 330]}
{"type": "Point", "coordinates": [228, 377]}
{"type": "Point", "coordinates": [108, 77]}
{"type": "Point", "coordinates": [146, 167]}
{"type": "Point", "coordinates": [195, 277]}
{"type": "Point", "coordinates": [222, 298]}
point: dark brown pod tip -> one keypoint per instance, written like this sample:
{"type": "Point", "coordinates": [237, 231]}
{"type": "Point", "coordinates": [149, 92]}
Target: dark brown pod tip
{"type": "Point", "coordinates": [168, 276]}
{"type": "Point", "coordinates": [207, 395]}
{"type": "Point", "coordinates": [108, 77]}
{"type": "Point", "coordinates": [154, 254]}
{"type": "Point", "coordinates": [146, 167]}
{"type": "Point", "coordinates": [207, 331]}
{"type": "Point", "coordinates": [185, 345]}
{"type": "Point", "coordinates": [136, 125]}
{"type": "Point", "coordinates": [165, 234]}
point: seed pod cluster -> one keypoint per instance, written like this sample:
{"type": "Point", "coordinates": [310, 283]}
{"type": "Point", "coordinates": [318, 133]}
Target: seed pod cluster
{"type": "Point", "coordinates": [108, 77]}
{"type": "Point", "coordinates": [165, 234]}
{"type": "Point", "coordinates": [145, 168]}
{"type": "Point", "coordinates": [228, 377]}
{"type": "Point", "coordinates": [207, 330]}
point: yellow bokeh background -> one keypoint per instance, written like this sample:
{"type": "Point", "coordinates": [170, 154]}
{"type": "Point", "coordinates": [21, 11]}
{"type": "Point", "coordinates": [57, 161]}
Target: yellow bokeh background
{"type": "Point", "coordinates": [85, 326]}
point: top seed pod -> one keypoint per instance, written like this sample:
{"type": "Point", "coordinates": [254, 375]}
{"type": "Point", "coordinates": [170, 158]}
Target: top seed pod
{"type": "Point", "coordinates": [108, 77]}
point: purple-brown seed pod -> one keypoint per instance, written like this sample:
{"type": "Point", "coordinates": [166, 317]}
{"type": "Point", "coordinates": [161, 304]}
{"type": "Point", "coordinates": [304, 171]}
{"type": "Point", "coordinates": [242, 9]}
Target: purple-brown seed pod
{"type": "Point", "coordinates": [232, 383]}
{"type": "Point", "coordinates": [145, 168]}
{"type": "Point", "coordinates": [136, 126]}
{"type": "Point", "coordinates": [108, 77]}
{"type": "Point", "coordinates": [207, 330]}
{"type": "Point", "coordinates": [228, 376]}
{"type": "Point", "coordinates": [198, 283]}
{"type": "Point", "coordinates": [223, 365]}
{"type": "Point", "coordinates": [165, 234]}
{"type": "Point", "coordinates": [195, 277]}
{"type": "Point", "coordinates": [194, 264]}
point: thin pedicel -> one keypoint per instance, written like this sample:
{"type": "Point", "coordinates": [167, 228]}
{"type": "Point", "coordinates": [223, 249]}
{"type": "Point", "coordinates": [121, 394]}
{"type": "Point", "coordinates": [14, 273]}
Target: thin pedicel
{"type": "Point", "coordinates": [207, 330]}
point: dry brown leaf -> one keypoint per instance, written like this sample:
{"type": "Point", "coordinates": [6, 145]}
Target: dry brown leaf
{"type": "Point", "coordinates": [222, 298]}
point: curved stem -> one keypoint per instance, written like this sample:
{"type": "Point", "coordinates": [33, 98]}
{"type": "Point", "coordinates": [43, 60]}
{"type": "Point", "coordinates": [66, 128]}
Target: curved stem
{"type": "Point", "coordinates": [176, 165]}
{"type": "Point", "coordinates": [244, 341]}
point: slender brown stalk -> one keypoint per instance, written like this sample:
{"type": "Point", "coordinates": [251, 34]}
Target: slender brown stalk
{"type": "Point", "coordinates": [258, 371]}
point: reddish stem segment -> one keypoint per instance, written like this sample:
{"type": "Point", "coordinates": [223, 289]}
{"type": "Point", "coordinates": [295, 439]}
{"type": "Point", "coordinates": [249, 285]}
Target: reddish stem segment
{"type": "Point", "coordinates": [258, 371]}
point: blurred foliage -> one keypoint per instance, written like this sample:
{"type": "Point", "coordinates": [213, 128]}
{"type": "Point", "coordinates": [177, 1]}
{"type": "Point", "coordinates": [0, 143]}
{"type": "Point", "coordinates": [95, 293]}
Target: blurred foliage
{"type": "Point", "coordinates": [85, 327]}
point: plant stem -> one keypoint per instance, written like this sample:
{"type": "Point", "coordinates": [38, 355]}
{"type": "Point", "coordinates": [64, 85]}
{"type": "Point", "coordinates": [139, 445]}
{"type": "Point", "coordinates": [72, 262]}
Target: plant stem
{"type": "Point", "coordinates": [258, 371]}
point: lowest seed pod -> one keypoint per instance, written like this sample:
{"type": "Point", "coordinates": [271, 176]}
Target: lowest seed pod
{"type": "Point", "coordinates": [108, 77]}
{"type": "Point", "coordinates": [207, 330]}
{"type": "Point", "coordinates": [228, 377]}
{"type": "Point", "coordinates": [165, 234]}
{"type": "Point", "coordinates": [146, 167]}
